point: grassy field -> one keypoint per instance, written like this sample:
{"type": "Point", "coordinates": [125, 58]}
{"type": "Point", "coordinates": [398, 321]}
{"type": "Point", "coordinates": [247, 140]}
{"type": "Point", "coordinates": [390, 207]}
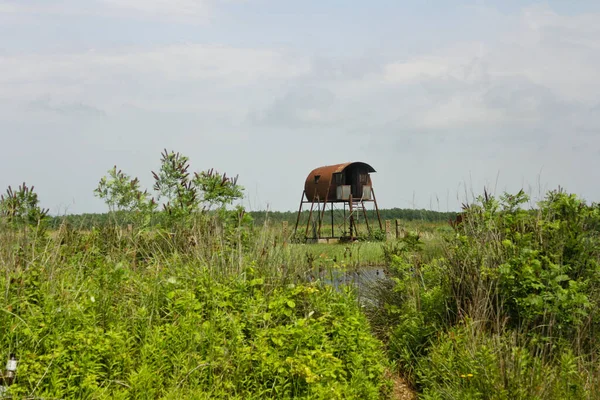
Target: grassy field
{"type": "Point", "coordinates": [365, 253]}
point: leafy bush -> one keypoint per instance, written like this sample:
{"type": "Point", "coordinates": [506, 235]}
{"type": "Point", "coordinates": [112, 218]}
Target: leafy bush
{"type": "Point", "coordinates": [86, 321]}
{"type": "Point", "coordinates": [533, 270]}
{"type": "Point", "coordinates": [123, 196]}
{"type": "Point", "coordinates": [184, 196]}
{"type": "Point", "coordinates": [508, 311]}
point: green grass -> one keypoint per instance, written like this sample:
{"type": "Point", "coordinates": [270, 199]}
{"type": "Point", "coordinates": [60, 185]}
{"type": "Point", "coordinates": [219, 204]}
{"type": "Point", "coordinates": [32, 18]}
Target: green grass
{"type": "Point", "coordinates": [362, 253]}
{"type": "Point", "coordinates": [350, 254]}
{"type": "Point", "coordinates": [100, 315]}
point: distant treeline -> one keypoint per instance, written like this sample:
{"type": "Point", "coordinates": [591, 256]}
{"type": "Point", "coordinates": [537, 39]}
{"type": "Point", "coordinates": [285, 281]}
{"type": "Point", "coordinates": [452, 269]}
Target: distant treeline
{"type": "Point", "coordinates": [386, 214]}
{"type": "Point", "coordinates": [86, 221]}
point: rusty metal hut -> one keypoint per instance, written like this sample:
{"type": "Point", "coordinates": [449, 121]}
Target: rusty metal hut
{"type": "Point", "coordinates": [348, 183]}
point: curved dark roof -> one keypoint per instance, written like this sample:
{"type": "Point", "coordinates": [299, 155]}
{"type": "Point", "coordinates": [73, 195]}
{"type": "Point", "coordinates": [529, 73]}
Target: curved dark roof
{"type": "Point", "coordinates": [322, 189]}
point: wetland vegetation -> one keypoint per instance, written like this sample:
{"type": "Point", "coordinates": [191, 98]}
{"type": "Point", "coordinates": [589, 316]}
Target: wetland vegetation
{"type": "Point", "coordinates": [184, 295]}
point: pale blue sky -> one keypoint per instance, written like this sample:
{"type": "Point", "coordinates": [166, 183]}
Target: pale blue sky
{"type": "Point", "coordinates": [440, 97]}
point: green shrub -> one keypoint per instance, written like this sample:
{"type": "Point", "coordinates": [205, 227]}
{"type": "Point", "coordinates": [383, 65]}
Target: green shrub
{"type": "Point", "coordinates": [507, 311]}
{"type": "Point", "coordinates": [86, 323]}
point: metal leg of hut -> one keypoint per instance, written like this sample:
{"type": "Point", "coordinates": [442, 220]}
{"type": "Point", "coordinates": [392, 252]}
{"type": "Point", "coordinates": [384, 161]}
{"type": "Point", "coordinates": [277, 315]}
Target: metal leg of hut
{"type": "Point", "coordinates": [309, 218]}
{"type": "Point", "coordinates": [376, 208]}
{"type": "Point", "coordinates": [351, 219]}
{"type": "Point", "coordinates": [362, 203]}
{"type": "Point", "coordinates": [299, 212]}
{"type": "Point", "coordinates": [315, 224]}
{"type": "Point", "coordinates": [322, 213]}
{"type": "Point", "coordinates": [332, 228]}
{"type": "Point", "coordinates": [344, 219]}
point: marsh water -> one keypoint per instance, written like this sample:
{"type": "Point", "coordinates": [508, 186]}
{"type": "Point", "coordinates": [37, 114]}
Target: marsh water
{"type": "Point", "coordinates": [362, 278]}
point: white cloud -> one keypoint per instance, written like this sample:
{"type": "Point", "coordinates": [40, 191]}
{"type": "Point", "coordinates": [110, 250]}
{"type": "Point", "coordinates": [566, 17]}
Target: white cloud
{"type": "Point", "coordinates": [455, 62]}
{"type": "Point", "coordinates": [144, 77]}
{"type": "Point", "coordinates": [42, 8]}
{"type": "Point", "coordinates": [459, 111]}
{"type": "Point", "coordinates": [188, 9]}
{"type": "Point", "coordinates": [193, 11]}
{"type": "Point", "coordinates": [547, 59]}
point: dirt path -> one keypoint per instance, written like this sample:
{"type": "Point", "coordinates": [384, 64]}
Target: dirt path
{"type": "Point", "coordinates": [400, 389]}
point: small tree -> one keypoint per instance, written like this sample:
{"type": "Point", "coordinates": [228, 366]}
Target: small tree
{"type": "Point", "coordinates": [123, 195]}
{"type": "Point", "coordinates": [21, 207]}
{"type": "Point", "coordinates": [217, 189]}
{"type": "Point", "coordinates": [185, 195]}
{"type": "Point", "coordinates": [173, 184]}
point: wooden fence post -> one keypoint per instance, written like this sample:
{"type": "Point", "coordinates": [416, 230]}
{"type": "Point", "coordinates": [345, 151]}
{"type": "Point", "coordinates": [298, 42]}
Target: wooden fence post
{"type": "Point", "coordinates": [397, 229]}
{"type": "Point", "coordinates": [388, 229]}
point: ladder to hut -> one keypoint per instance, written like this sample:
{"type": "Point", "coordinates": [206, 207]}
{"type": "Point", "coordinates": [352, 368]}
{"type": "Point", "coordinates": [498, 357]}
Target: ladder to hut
{"type": "Point", "coordinates": [352, 219]}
